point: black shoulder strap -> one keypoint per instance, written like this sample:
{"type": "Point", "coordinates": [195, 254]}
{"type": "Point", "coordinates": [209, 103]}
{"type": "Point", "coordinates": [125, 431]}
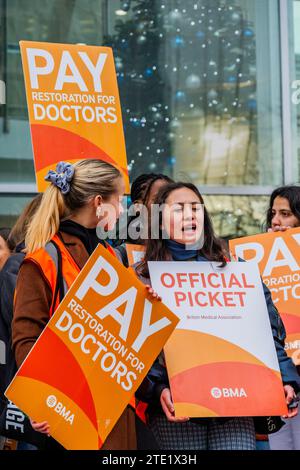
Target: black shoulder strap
{"type": "Point", "coordinates": [59, 287]}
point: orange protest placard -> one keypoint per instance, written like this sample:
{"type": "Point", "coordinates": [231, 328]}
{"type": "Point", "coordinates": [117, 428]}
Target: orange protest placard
{"type": "Point", "coordinates": [135, 253]}
{"type": "Point", "coordinates": [73, 104]}
{"type": "Point", "coordinates": [278, 258]}
{"type": "Point", "coordinates": [93, 354]}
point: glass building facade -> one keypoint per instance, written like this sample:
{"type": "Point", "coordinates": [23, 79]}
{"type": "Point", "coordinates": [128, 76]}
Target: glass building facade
{"type": "Point", "coordinates": [209, 92]}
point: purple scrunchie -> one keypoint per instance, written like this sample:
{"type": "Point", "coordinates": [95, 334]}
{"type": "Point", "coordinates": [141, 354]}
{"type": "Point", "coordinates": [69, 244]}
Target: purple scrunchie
{"type": "Point", "coordinates": [62, 176]}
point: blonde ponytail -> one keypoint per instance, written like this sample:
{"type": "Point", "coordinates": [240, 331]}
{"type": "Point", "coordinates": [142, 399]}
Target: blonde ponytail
{"type": "Point", "coordinates": [45, 222]}
{"type": "Point", "coordinates": [89, 178]}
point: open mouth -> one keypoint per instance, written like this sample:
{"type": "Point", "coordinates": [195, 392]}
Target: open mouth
{"type": "Point", "coordinates": [189, 228]}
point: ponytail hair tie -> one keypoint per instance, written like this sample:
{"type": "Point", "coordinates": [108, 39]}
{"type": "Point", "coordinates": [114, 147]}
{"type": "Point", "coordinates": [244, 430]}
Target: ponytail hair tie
{"type": "Point", "coordinates": [62, 176]}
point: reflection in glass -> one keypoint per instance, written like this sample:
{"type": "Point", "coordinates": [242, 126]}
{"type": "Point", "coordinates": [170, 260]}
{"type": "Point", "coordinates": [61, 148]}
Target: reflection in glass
{"type": "Point", "coordinates": [196, 88]}
{"type": "Point", "coordinates": [237, 216]}
{"type": "Point", "coordinates": [199, 83]}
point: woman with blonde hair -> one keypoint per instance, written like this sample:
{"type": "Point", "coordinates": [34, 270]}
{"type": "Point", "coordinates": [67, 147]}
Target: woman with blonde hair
{"type": "Point", "coordinates": [64, 227]}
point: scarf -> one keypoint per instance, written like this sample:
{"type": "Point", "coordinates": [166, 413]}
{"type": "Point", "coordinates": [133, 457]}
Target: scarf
{"type": "Point", "coordinates": [180, 252]}
{"type": "Point", "coordinates": [88, 236]}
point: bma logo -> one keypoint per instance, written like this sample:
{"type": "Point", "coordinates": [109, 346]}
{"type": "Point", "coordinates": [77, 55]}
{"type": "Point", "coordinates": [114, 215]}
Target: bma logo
{"type": "Point", "coordinates": [60, 409]}
{"type": "Point", "coordinates": [228, 393]}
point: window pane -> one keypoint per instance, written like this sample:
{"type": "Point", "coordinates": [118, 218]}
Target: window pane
{"type": "Point", "coordinates": [199, 83]}
{"type": "Point", "coordinates": [11, 207]}
{"type": "Point", "coordinates": [200, 89]}
{"type": "Point", "coordinates": [61, 21]}
{"type": "Point", "coordinates": [237, 216]}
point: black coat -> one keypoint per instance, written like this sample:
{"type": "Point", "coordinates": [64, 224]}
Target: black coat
{"type": "Point", "coordinates": [8, 279]}
{"type": "Point", "coordinates": [8, 366]}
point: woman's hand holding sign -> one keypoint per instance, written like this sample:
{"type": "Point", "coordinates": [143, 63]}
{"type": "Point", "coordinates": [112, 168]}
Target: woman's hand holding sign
{"type": "Point", "coordinates": [281, 228]}
{"type": "Point", "coordinates": [42, 427]}
{"type": "Point", "coordinates": [290, 397]}
{"type": "Point", "coordinates": [168, 407]}
{"type": "Point", "coordinates": [152, 293]}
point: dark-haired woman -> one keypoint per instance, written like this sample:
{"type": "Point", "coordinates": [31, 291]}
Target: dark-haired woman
{"type": "Point", "coordinates": [186, 222]}
{"type": "Point", "coordinates": [284, 209]}
{"type": "Point", "coordinates": [146, 186]}
{"type": "Point", "coordinates": [283, 214]}
{"type": "Point", "coordinates": [143, 192]}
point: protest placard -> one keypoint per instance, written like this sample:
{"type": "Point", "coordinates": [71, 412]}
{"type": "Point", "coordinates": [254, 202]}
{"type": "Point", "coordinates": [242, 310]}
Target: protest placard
{"type": "Point", "coordinates": [73, 105]}
{"type": "Point", "coordinates": [278, 258]}
{"type": "Point", "coordinates": [135, 253]}
{"type": "Point", "coordinates": [221, 359]}
{"type": "Point", "coordinates": [93, 354]}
